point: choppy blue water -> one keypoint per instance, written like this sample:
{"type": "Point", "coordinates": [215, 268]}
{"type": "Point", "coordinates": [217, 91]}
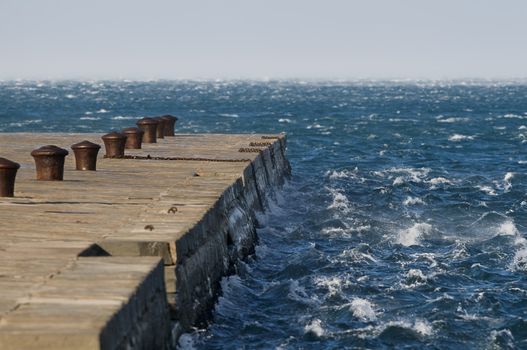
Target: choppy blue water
{"type": "Point", "coordinates": [403, 225]}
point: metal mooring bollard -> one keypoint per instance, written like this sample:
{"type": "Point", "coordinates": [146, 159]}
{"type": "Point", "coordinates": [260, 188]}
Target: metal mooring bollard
{"type": "Point", "coordinates": [160, 127]}
{"type": "Point", "coordinates": [114, 143]}
{"type": "Point", "coordinates": [134, 138]}
{"type": "Point", "coordinates": [49, 161]}
{"type": "Point", "coordinates": [170, 124]}
{"type": "Point", "coordinates": [8, 171]}
{"type": "Point", "coordinates": [149, 126]}
{"type": "Point", "coordinates": [86, 155]}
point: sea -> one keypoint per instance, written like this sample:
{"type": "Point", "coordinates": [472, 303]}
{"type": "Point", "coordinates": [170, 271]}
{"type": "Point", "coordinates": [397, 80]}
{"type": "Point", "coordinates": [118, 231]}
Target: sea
{"type": "Point", "coordinates": [403, 224]}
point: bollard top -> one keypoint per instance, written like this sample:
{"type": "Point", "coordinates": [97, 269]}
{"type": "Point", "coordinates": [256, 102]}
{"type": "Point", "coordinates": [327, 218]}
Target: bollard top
{"type": "Point", "coordinates": [85, 145]}
{"type": "Point", "coordinates": [50, 151]}
{"type": "Point", "coordinates": [169, 117]}
{"type": "Point", "coordinates": [7, 164]}
{"type": "Point", "coordinates": [147, 121]}
{"type": "Point", "coordinates": [114, 135]}
{"type": "Point", "coordinates": [132, 130]}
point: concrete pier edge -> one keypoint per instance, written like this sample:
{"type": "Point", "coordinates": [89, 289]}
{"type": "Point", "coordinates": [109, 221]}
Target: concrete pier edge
{"type": "Point", "coordinates": [163, 257]}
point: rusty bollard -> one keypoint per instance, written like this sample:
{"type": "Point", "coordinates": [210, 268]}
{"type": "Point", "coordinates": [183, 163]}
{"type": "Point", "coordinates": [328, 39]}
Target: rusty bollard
{"type": "Point", "coordinates": [149, 126]}
{"type": "Point", "coordinates": [114, 143]}
{"type": "Point", "coordinates": [170, 124]}
{"type": "Point", "coordinates": [160, 127]}
{"type": "Point", "coordinates": [134, 138]}
{"type": "Point", "coordinates": [8, 171]}
{"type": "Point", "coordinates": [49, 161]}
{"type": "Point", "coordinates": [86, 155]}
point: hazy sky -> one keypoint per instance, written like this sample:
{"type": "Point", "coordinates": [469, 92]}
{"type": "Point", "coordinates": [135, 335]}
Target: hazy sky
{"type": "Point", "coordinates": [342, 39]}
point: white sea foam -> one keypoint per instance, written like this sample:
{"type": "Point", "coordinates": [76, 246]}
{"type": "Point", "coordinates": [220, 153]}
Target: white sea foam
{"type": "Point", "coordinates": [333, 284]}
{"type": "Point", "coordinates": [459, 137]}
{"type": "Point", "coordinates": [399, 180]}
{"type": "Point", "coordinates": [487, 189]}
{"type": "Point", "coordinates": [26, 122]}
{"type": "Point", "coordinates": [89, 118]}
{"type": "Point", "coordinates": [360, 228]}
{"type": "Point", "coordinates": [460, 250]}
{"type": "Point", "coordinates": [298, 293]}
{"type": "Point", "coordinates": [335, 231]}
{"type": "Point", "coordinates": [335, 174]}
{"type": "Point", "coordinates": [519, 262]}
{"type": "Point", "coordinates": [346, 231]}
{"type": "Point", "coordinates": [284, 120]}
{"type": "Point", "coordinates": [452, 120]}
{"type": "Point", "coordinates": [412, 236]}
{"type": "Point", "coordinates": [412, 201]}
{"type": "Point", "coordinates": [357, 255]}
{"type": "Point", "coordinates": [412, 279]}
{"type": "Point", "coordinates": [512, 116]}
{"type": "Point", "coordinates": [508, 229]}
{"type": "Point", "coordinates": [229, 115]}
{"type": "Point", "coordinates": [439, 180]}
{"type": "Point", "coordinates": [121, 117]}
{"type": "Point", "coordinates": [423, 327]}
{"type": "Point", "coordinates": [363, 309]}
{"type": "Point", "coordinates": [462, 313]}
{"type": "Point", "coordinates": [419, 326]}
{"type": "Point", "coordinates": [507, 185]}
{"type": "Point", "coordinates": [445, 296]}
{"type": "Point", "coordinates": [404, 174]}
{"type": "Point", "coordinates": [70, 96]}
{"type": "Point", "coordinates": [430, 257]}
{"type": "Point", "coordinates": [102, 110]}
{"type": "Point", "coordinates": [315, 328]}
{"type": "Point", "coordinates": [314, 126]}
{"type": "Point", "coordinates": [340, 201]}
{"type": "Point", "coordinates": [343, 174]}
{"type": "Point", "coordinates": [502, 339]}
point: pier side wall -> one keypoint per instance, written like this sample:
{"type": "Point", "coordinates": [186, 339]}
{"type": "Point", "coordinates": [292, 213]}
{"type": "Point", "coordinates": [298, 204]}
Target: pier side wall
{"type": "Point", "coordinates": [229, 231]}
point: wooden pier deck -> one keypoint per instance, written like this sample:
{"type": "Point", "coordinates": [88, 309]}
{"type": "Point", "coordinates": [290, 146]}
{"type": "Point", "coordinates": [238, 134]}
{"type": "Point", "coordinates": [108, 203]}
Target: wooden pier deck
{"type": "Point", "coordinates": [58, 290]}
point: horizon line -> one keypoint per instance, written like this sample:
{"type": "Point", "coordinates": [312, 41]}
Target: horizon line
{"type": "Point", "coordinates": [275, 79]}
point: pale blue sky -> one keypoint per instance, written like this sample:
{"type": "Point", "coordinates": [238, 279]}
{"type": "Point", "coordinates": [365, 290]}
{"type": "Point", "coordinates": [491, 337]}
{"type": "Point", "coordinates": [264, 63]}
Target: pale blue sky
{"type": "Point", "coordinates": [335, 39]}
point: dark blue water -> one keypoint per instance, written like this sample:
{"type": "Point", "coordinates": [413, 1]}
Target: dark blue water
{"type": "Point", "coordinates": [403, 225]}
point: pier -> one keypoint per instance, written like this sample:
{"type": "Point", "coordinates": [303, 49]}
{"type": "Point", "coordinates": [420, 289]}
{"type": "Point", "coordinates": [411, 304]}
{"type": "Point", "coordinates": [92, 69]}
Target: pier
{"type": "Point", "coordinates": [130, 255]}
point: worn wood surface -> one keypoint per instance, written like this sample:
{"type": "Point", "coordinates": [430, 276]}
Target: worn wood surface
{"type": "Point", "coordinates": [49, 223]}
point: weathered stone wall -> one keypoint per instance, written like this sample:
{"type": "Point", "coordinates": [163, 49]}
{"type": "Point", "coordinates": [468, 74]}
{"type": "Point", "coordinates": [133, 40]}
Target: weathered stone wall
{"type": "Point", "coordinates": [225, 235]}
